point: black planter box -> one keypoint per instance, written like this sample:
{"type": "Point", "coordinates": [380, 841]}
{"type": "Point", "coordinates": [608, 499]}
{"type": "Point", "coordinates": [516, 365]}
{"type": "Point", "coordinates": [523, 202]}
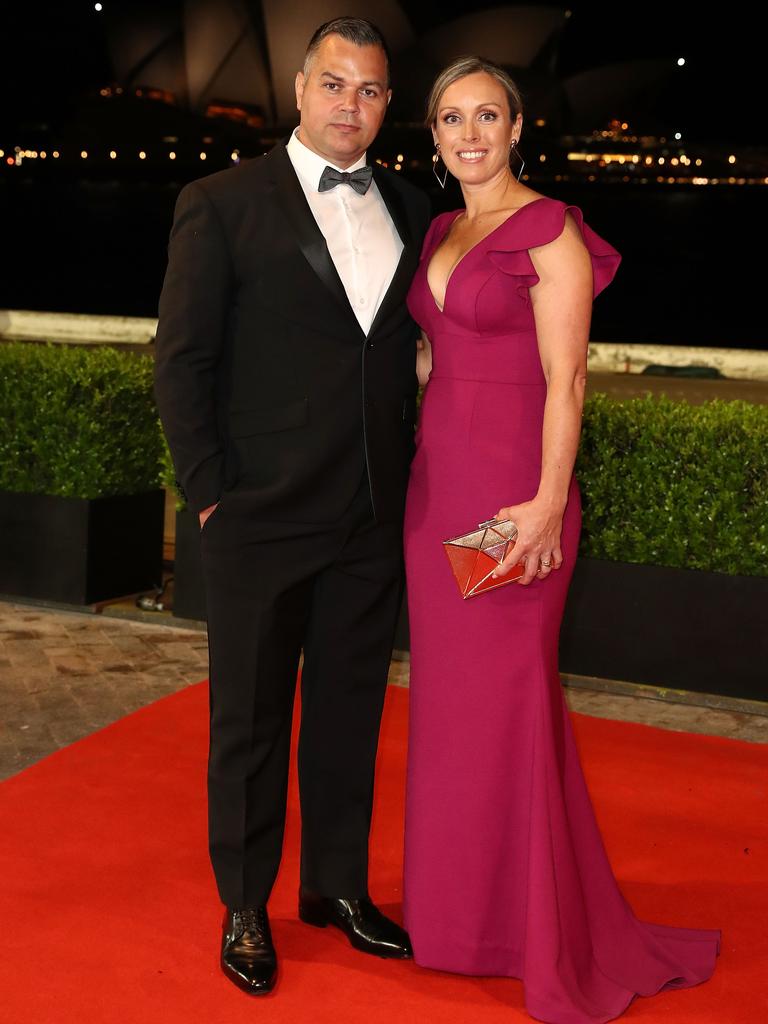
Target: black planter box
{"type": "Point", "coordinates": [675, 628]}
{"type": "Point", "coordinates": [188, 590]}
{"type": "Point", "coordinates": [79, 550]}
{"type": "Point", "coordinates": [678, 629]}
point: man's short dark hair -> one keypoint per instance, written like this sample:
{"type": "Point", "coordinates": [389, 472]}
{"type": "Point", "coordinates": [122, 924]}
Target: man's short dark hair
{"type": "Point", "coordinates": [354, 30]}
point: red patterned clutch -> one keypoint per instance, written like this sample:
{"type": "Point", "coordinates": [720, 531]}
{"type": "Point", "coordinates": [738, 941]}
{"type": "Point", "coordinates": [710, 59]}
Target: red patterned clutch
{"type": "Point", "coordinates": [474, 556]}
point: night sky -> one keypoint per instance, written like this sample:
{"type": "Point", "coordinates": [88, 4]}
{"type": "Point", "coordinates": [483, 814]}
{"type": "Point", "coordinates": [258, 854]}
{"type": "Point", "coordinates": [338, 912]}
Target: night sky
{"type": "Point", "coordinates": [55, 52]}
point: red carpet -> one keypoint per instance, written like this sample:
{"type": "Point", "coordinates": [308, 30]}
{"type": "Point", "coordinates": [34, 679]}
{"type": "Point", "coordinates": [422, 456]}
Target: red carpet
{"type": "Point", "coordinates": [108, 910]}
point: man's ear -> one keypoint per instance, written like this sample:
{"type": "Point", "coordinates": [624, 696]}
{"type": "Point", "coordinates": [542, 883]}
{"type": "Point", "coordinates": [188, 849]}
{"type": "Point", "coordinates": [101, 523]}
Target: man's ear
{"type": "Point", "coordinates": [300, 83]}
{"type": "Point", "coordinates": [389, 96]}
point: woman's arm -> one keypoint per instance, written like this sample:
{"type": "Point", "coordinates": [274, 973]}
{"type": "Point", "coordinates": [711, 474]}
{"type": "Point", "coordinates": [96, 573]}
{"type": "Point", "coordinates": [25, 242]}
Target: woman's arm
{"type": "Point", "coordinates": [562, 308]}
{"type": "Point", "coordinates": [423, 359]}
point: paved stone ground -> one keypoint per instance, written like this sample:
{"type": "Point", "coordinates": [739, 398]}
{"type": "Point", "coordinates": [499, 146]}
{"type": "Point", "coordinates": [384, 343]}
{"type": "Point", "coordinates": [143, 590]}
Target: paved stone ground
{"type": "Point", "coordinates": [677, 714]}
{"type": "Point", "coordinates": [65, 674]}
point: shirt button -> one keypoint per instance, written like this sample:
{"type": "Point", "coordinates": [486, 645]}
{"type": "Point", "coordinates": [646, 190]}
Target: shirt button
{"type": "Point", "coordinates": [361, 301]}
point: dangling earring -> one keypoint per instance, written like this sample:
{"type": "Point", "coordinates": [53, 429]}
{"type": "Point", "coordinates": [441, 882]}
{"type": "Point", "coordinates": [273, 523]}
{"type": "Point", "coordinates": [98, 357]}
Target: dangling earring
{"type": "Point", "coordinates": [435, 159]}
{"type": "Point", "coordinates": [513, 149]}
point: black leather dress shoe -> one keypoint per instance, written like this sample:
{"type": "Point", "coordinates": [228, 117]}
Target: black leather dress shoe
{"type": "Point", "coordinates": [364, 924]}
{"type": "Point", "coordinates": [248, 957]}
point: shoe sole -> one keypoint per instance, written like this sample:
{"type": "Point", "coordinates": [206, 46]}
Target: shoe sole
{"type": "Point", "coordinates": [244, 986]}
{"type": "Point", "coordinates": [320, 920]}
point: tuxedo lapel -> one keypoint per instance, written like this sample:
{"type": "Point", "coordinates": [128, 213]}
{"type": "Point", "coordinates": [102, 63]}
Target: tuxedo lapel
{"type": "Point", "coordinates": [309, 237]}
{"type": "Point", "coordinates": [406, 267]}
{"type": "Point", "coordinates": [394, 204]}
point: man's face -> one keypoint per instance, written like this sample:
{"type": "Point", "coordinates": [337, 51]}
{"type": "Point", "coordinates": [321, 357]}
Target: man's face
{"type": "Point", "coordinates": [342, 99]}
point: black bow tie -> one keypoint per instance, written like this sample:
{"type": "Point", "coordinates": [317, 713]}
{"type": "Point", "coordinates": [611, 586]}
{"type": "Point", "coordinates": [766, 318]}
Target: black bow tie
{"type": "Point", "coordinates": [359, 180]}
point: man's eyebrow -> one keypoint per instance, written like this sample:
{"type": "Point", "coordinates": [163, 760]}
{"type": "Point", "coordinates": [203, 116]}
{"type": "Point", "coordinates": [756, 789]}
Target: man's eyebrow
{"type": "Point", "coordinates": [339, 78]}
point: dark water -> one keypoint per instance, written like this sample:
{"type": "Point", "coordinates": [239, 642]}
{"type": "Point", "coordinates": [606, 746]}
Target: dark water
{"type": "Point", "coordinates": [689, 275]}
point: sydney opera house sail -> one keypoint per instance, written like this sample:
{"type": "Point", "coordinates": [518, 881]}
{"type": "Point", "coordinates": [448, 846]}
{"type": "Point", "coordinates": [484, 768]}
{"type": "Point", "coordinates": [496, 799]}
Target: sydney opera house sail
{"type": "Point", "coordinates": [626, 86]}
{"type": "Point", "coordinates": [233, 50]}
{"type": "Point", "coordinates": [147, 48]}
{"type": "Point", "coordinates": [246, 52]}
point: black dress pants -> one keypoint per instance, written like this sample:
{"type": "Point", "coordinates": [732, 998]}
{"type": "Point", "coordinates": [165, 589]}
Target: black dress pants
{"type": "Point", "coordinates": [271, 590]}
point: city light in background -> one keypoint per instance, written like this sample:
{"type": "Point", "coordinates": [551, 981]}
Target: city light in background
{"type": "Point", "coordinates": [626, 108]}
{"type": "Point", "coordinates": [117, 105]}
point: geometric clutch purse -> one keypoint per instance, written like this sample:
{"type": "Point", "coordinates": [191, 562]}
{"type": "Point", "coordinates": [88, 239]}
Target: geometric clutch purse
{"type": "Point", "coordinates": [474, 556]}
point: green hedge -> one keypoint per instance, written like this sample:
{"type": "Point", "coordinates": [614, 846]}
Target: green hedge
{"type": "Point", "coordinates": [663, 482]}
{"type": "Point", "coordinates": [667, 483]}
{"type": "Point", "coordinates": [77, 422]}
{"type": "Point", "coordinates": [168, 476]}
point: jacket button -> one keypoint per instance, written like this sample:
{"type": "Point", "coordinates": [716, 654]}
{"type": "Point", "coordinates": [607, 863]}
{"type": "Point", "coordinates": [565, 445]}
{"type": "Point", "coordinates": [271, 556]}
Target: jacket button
{"type": "Point", "coordinates": [369, 344]}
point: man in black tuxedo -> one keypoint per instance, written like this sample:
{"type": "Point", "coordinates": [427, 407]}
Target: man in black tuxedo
{"type": "Point", "coordinates": [286, 385]}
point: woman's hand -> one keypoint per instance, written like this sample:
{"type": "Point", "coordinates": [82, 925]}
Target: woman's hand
{"type": "Point", "coordinates": [423, 359]}
{"type": "Point", "coordinates": [539, 525]}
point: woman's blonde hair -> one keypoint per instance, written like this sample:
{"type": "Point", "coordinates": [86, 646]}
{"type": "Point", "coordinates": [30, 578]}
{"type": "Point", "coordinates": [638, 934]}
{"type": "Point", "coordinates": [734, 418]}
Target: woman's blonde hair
{"type": "Point", "coordinates": [462, 67]}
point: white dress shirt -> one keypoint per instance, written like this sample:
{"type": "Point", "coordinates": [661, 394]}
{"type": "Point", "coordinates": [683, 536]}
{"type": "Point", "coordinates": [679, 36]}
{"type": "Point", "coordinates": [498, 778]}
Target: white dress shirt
{"type": "Point", "coordinates": [362, 240]}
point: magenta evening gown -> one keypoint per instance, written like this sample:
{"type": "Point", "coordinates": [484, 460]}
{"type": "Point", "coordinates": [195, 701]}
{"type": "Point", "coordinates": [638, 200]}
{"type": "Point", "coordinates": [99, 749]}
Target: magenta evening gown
{"type": "Point", "coordinates": [505, 869]}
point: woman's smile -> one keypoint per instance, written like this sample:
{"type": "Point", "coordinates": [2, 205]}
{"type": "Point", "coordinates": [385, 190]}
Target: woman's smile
{"type": "Point", "coordinates": [471, 156]}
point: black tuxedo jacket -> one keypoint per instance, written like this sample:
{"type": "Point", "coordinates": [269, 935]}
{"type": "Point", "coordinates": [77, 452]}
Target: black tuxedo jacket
{"type": "Point", "coordinates": [264, 379]}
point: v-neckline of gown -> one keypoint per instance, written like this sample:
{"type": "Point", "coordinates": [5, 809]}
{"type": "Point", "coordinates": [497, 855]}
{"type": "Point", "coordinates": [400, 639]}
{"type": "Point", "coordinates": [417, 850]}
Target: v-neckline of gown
{"type": "Point", "coordinates": [462, 258]}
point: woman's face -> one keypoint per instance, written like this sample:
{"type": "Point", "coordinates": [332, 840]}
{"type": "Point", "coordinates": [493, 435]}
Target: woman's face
{"type": "Point", "coordinates": [474, 128]}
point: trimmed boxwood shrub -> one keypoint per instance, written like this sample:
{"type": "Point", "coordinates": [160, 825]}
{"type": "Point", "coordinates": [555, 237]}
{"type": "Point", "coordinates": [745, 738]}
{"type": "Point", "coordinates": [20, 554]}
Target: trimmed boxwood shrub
{"type": "Point", "coordinates": [668, 483]}
{"type": "Point", "coordinates": [77, 422]}
{"type": "Point", "coordinates": [168, 474]}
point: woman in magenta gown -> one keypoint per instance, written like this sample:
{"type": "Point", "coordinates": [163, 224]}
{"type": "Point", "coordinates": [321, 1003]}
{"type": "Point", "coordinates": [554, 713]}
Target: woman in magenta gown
{"type": "Point", "coordinates": [505, 870]}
